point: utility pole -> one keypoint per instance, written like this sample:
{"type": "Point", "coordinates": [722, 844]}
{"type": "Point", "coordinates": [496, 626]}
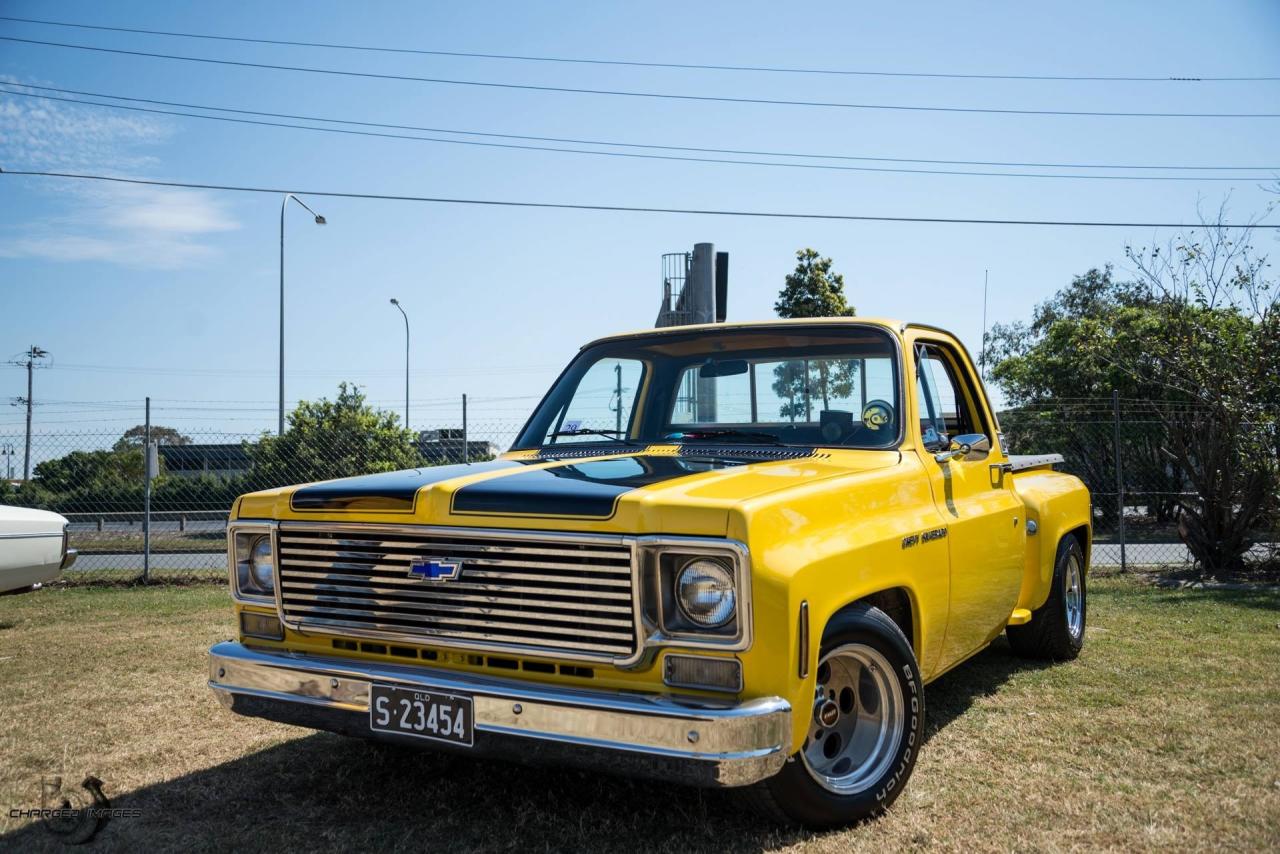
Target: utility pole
{"type": "Point", "coordinates": [147, 474]}
{"type": "Point", "coordinates": [31, 356]}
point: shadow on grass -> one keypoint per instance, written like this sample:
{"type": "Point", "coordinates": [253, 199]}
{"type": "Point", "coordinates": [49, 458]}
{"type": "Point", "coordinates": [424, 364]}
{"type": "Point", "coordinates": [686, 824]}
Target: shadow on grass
{"type": "Point", "coordinates": [1261, 596]}
{"type": "Point", "coordinates": [325, 791]}
{"type": "Point", "coordinates": [1265, 599]}
{"type": "Point", "coordinates": [981, 676]}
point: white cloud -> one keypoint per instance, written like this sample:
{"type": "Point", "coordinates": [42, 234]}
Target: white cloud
{"type": "Point", "coordinates": [136, 226]}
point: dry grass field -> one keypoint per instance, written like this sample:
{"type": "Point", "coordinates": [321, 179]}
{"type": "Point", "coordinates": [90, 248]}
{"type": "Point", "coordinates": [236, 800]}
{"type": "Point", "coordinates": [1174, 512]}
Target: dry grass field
{"type": "Point", "coordinates": [1164, 734]}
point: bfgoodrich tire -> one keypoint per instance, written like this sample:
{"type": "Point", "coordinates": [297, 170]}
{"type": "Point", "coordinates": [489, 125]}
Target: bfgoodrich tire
{"type": "Point", "coordinates": [865, 727]}
{"type": "Point", "coordinates": [1056, 629]}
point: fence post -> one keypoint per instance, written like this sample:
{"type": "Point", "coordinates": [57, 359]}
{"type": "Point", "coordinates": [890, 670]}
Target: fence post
{"type": "Point", "coordinates": [466, 449]}
{"type": "Point", "coordinates": [1115, 413]}
{"type": "Point", "coordinates": [146, 497]}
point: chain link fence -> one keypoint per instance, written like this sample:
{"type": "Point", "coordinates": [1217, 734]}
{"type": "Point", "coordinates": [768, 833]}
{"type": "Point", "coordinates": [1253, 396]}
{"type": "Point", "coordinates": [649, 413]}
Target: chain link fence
{"type": "Point", "coordinates": [1141, 493]}
{"type": "Point", "coordinates": [97, 480]}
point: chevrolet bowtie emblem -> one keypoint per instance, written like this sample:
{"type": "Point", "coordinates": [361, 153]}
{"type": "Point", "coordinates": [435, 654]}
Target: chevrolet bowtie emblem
{"type": "Point", "coordinates": [434, 569]}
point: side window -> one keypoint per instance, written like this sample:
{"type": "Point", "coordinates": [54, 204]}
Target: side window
{"type": "Point", "coordinates": [945, 410]}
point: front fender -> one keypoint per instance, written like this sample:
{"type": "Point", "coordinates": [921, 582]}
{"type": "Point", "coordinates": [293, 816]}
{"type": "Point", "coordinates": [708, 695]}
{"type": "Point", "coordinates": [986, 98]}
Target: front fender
{"type": "Point", "coordinates": [828, 544]}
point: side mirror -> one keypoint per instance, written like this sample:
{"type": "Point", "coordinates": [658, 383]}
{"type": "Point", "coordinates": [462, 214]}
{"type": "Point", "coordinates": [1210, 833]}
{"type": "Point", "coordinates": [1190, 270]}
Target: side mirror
{"type": "Point", "coordinates": [970, 447]}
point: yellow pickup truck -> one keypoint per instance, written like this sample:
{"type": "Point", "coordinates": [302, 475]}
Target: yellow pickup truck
{"type": "Point", "coordinates": [721, 555]}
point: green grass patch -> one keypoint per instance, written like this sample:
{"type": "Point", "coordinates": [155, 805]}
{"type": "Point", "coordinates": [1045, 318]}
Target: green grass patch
{"type": "Point", "coordinates": [1163, 735]}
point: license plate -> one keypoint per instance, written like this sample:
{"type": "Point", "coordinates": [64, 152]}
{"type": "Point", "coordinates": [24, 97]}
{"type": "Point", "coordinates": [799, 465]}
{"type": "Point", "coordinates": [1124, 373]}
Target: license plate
{"type": "Point", "coordinates": [425, 714]}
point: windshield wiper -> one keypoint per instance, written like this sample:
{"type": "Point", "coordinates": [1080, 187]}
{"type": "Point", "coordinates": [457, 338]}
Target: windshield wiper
{"type": "Point", "coordinates": [615, 435]}
{"type": "Point", "coordinates": [697, 435]}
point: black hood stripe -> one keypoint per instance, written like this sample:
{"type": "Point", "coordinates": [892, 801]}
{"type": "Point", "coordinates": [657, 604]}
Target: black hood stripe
{"type": "Point", "coordinates": [589, 490]}
{"type": "Point", "coordinates": [388, 492]}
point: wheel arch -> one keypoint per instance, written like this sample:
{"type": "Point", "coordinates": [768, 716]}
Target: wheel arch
{"type": "Point", "coordinates": [898, 603]}
{"type": "Point", "coordinates": [1083, 536]}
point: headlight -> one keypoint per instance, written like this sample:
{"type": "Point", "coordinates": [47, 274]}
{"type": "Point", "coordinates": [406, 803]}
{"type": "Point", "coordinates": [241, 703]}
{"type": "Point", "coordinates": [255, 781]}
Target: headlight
{"type": "Point", "coordinates": [253, 563]}
{"type": "Point", "coordinates": [705, 592]}
{"type": "Point", "coordinates": [262, 566]}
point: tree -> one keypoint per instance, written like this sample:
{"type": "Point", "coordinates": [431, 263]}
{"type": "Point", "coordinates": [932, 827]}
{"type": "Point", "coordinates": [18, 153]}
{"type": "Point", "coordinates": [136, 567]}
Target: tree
{"type": "Point", "coordinates": [330, 439]}
{"type": "Point", "coordinates": [87, 480]}
{"type": "Point", "coordinates": [1058, 372]}
{"type": "Point", "coordinates": [812, 290]}
{"type": "Point", "coordinates": [1195, 339]}
{"type": "Point", "coordinates": [1218, 358]}
{"type": "Point", "coordinates": [134, 437]}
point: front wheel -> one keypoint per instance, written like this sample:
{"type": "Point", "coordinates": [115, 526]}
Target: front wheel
{"type": "Point", "coordinates": [1056, 630]}
{"type": "Point", "coordinates": [865, 727]}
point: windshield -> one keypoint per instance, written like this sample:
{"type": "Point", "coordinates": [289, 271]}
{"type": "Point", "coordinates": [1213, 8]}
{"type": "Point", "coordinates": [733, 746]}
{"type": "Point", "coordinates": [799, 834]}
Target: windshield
{"type": "Point", "coordinates": [831, 386]}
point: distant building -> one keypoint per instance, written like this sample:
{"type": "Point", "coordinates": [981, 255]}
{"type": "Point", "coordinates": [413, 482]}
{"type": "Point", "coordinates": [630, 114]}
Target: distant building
{"type": "Point", "coordinates": [439, 447]}
{"type": "Point", "coordinates": [223, 461]}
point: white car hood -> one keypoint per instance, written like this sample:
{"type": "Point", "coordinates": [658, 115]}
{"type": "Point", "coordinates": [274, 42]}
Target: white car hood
{"type": "Point", "coordinates": [24, 520]}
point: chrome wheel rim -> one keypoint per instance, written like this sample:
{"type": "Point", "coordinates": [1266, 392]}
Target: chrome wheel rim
{"type": "Point", "coordinates": [857, 721]}
{"type": "Point", "coordinates": [1074, 597]}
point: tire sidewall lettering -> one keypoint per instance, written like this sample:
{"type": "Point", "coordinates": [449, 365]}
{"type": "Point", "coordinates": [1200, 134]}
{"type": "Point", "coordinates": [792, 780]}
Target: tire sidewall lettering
{"type": "Point", "coordinates": [904, 763]}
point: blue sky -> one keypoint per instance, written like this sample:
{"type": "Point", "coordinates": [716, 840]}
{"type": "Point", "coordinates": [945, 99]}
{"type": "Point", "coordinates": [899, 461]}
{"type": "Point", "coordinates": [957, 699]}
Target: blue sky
{"type": "Point", "coordinates": [172, 293]}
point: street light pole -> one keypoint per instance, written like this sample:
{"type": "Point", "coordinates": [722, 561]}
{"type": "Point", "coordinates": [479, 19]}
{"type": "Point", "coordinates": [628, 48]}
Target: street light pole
{"type": "Point", "coordinates": [397, 304]}
{"type": "Point", "coordinates": [319, 221]}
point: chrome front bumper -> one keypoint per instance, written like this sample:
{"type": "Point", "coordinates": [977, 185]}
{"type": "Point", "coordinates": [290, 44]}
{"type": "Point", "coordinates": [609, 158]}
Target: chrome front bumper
{"type": "Point", "coordinates": [693, 741]}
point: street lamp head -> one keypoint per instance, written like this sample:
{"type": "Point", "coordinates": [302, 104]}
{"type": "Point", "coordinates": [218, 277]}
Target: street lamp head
{"type": "Point", "coordinates": [320, 220]}
{"type": "Point", "coordinates": [395, 301]}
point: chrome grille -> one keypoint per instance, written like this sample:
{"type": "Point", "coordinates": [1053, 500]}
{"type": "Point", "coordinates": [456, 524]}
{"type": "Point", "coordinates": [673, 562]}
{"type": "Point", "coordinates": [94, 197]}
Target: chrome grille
{"type": "Point", "coordinates": [567, 596]}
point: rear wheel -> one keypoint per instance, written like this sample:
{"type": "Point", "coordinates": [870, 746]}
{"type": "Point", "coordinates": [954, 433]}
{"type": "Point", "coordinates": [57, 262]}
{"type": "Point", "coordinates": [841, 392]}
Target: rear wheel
{"type": "Point", "coordinates": [1056, 629]}
{"type": "Point", "coordinates": [865, 727]}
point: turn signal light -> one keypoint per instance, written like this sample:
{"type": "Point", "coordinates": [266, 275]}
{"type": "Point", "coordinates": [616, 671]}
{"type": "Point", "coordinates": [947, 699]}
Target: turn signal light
{"type": "Point", "coordinates": [265, 626]}
{"type": "Point", "coordinates": [695, 671]}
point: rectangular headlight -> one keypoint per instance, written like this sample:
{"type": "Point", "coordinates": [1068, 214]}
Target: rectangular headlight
{"type": "Point", "coordinates": [252, 557]}
{"type": "Point", "coordinates": [701, 594]}
{"type": "Point", "coordinates": [697, 591]}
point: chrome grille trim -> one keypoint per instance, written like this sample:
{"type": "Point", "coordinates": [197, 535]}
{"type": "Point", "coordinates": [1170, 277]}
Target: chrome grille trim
{"type": "Point", "coordinates": [459, 585]}
{"type": "Point", "coordinates": [463, 639]}
{"type": "Point", "coordinates": [572, 596]}
{"type": "Point", "coordinates": [550, 605]}
{"type": "Point", "coordinates": [438, 606]}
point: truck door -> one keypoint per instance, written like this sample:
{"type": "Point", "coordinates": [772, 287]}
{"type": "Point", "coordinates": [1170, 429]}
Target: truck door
{"type": "Point", "coordinates": [981, 514]}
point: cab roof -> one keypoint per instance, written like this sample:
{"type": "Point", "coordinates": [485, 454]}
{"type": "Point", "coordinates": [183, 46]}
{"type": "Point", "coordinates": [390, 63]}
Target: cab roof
{"type": "Point", "coordinates": [893, 326]}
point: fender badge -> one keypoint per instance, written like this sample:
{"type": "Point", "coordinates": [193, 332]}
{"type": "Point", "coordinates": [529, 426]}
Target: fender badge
{"type": "Point", "coordinates": [435, 569]}
{"type": "Point", "coordinates": [926, 537]}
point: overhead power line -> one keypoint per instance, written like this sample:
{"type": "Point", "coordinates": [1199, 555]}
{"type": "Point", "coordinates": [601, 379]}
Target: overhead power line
{"type": "Point", "coordinates": [608, 143]}
{"type": "Point", "coordinates": [335, 194]}
{"type": "Point", "coordinates": [482, 371]}
{"type": "Point", "coordinates": [770, 69]}
{"type": "Point", "coordinates": [627, 154]}
{"type": "Point", "coordinates": [675, 96]}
